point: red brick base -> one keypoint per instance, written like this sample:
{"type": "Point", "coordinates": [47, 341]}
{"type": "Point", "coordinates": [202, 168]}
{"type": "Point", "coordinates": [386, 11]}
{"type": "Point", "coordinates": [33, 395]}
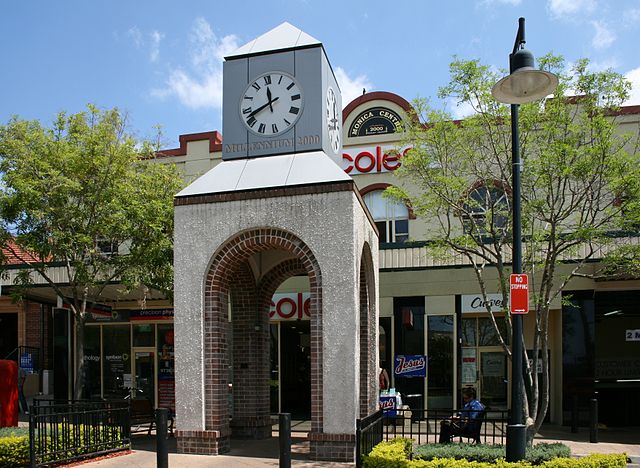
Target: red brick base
{"type": "Point", "coordinates": [202, 442]}
{"type": "Point", "coordinates": [332, 447]}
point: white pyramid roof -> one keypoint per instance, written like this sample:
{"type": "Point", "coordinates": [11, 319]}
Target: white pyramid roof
{"type": "Point", "coordinates": [286, 170]}
{"type": "Point", "coordinates": [285, 36]}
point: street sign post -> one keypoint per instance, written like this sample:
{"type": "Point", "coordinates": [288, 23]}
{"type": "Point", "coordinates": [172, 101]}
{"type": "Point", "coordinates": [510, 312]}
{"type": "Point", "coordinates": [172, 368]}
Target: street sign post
{"type": "Point", "coordinates": [519, 297]}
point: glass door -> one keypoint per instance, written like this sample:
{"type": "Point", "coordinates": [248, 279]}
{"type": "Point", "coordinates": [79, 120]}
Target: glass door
{"type": "Point", "coordinates": [494, 379]}
{"type": "Point", "coordinates": [144, 372]}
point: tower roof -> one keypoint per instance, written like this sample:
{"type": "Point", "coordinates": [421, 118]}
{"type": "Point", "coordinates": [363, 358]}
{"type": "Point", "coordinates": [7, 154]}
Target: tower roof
{"type": "Point", "coordinates": [282, 37]}
{"type": "Point", "coordinates": [269, 172]}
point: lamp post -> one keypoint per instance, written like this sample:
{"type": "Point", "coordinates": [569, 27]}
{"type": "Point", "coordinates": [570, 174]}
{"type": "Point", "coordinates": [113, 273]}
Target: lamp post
{"type": "Point", "coordinates": [523, 84]}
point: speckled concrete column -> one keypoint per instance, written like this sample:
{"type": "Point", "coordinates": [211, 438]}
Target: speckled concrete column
{"type": "Point", "coordinates": [327, 230]}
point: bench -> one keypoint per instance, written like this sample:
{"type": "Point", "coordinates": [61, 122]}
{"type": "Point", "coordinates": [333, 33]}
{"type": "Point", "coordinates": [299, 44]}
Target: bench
{"type": "Point", "coordinates": [141, 413]}
{"type": "Point", "coordinates": [474, 427]}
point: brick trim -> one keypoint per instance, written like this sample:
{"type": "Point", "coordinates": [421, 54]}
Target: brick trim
{"type": "Point", "coordinates": [220, 283]}
{"type": "Point", "coordinates": [264, 193]}
{"type": "Point", "coordinates": [215, 143]}
{"type": "Point", "coordinates": [367, 330]}
{"type": "Point", "coordinates": [377, 95]}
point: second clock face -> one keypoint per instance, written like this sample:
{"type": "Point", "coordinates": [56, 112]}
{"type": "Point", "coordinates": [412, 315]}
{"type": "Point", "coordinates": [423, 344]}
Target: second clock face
{"type": "Point", "coordinates": [271, 104]}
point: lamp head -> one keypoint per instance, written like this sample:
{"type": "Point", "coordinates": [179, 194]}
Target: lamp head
{"type": "Point", "coordinates": [525, 83]}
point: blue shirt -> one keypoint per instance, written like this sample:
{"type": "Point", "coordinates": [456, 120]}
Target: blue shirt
{"type": "Point", "coordinates": [472, 409]}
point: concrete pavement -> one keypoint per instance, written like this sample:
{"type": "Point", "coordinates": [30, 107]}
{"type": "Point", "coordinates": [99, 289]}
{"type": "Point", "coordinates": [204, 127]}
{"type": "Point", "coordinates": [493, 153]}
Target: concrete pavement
{"type": "Point", "coordinates": [264, 453]}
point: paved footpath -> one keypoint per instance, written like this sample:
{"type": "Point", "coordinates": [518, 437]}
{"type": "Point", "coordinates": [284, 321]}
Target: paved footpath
{"type": "Point", "coordinates": [264, 453]}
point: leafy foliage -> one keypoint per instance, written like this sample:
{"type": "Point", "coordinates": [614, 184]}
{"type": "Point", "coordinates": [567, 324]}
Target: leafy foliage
{"type": "Point", "coordinates": [86, 196]}
{"type": "Point", "coordinates": [396, 454]}
{"type": "Point", "coordinates": [536, 454]}
{"type": "Point", "coordinates": [580, 190]}
{"type": "Point", "coordinates": [14, 451]}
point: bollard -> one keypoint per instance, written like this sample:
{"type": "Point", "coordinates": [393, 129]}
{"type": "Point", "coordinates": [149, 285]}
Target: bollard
{"type": "Point", "coordinates": [162, 451]}
{"type": "Point", "coordinates": [593, 421]}
{"type": "Point", "coordinates": [574, 414]}
{"type": "Point", "coordinates": [284, 436]}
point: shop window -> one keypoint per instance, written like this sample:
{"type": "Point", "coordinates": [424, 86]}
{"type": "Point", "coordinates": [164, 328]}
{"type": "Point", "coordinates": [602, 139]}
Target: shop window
{"type": "Point", "coordinates": [487, 335]}
{"type": "Point", "coordinates": [91, 362]}
{"type": "Point", "coordinates": [166, 367]}
{"type": "Point", "coordinates": [468, 332]}
{"type": "Point", "coordinates": [116, 370]}
{"type": "Point", "coordinates": [144, 335]}
{"type": "Point", "coordinates": [391, 217]}
{"type": "Point", "coordinates": [441, 366]}
{"type": "Point", "coordinates": [485, 210]}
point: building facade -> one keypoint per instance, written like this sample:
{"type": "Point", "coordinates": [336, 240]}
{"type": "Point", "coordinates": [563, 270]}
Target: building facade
{"type": "Point", "coordinates": [427, 307]}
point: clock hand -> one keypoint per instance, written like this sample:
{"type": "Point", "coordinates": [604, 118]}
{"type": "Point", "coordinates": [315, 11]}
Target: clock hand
{"type": "Point", "coordinates": [269, 99]}
{"type": "Point", "coordinates": [268, 104]}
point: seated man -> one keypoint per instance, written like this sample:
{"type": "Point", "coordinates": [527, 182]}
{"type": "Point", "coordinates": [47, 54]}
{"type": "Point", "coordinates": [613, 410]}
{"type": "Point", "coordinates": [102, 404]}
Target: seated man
{"type": "Point", "coordinates": [467, 422]}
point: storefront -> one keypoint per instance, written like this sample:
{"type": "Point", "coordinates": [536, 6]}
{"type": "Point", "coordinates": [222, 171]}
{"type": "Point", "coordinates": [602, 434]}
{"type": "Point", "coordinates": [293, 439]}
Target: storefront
{"type": "Point", "coordinates": [129, 354]}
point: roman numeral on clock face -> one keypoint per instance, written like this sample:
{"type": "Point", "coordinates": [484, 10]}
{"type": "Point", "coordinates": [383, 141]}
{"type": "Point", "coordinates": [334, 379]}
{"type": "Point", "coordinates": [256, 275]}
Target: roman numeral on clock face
{"type": "Point", "coordinates": [274, 128]}
{"type": "Point", "coordinates": [295, 97]}
{"type": "Point", "coordinates": [267, 80]}
{"type": "Point", "coordinates": [256, 86]}
{"type": "Point", "coordinates": [261, 128]}
{"type": "Point", "coordinates": [294, 110]}
{"type": "Point", "coordinates": [252, 121]}
{"type": "Point", "coordinates": [247, 110]}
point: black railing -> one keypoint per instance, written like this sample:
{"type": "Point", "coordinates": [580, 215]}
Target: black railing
{"type": "Point", "coordinates": [65, 432]}
{"type": "Point", "coordinates": [368, 435]}
{"type": "Point", "coordinates": [423, 426]}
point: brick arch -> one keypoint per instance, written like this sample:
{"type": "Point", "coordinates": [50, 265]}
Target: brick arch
{"type": "Point", "coordinates": [271, 280]}
{"type": "Point", "coordinates": [219, 281]}
{"type": "Point", "coordinates": [367, 331]}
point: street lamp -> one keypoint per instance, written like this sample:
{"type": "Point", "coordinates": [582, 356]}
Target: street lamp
{"type": "Point", "coordinates": [523, 84]}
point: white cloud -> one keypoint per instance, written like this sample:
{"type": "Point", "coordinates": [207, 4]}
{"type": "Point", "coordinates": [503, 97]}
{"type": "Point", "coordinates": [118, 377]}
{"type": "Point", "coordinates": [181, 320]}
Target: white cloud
{"type": "Point", "coordinates": [603, 37]}
{"type": "Point", "coordinates": [201, 85]}
{"type": "Point", "coordinates": [351, 87]}
{"type": "Point", "coordinates": [560, 8]}
{"type": "Point", "coordinates": [461, 110]}
{"type": "Point", "coordinates": [634, 77]}
{"type": "Point", "coordinates": [156, 37]}
{"type": "Point", "coordinates": [136, 36]}
{"type": "Point", "coordinates": [602, 65]}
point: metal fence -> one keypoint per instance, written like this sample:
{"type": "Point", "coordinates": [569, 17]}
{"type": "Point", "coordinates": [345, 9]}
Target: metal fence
{"type": "Point", "coordinates": [423, 426]}
{"type": "Point", "coordinates": [65, 432]}
{"type": "Point", "coordinates": [368, 434]}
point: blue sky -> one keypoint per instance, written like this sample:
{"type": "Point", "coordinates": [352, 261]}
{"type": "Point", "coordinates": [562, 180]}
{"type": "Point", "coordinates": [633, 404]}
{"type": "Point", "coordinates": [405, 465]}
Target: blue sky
{"type": "Point", "coordinates": [161, 60]}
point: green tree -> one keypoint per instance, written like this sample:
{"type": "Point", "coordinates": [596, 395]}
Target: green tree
{"type": "Point", "coordinates": [85, 196]}
{"type": "Point", "coordinates": [580, 191]}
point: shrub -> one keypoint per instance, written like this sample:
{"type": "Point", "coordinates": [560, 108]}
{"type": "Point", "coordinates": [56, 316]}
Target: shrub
{"type": "Point", "coordinates": [13, 431]}
{"type": "Point", "coordinates": [14, 450]}
{"type": "Point", "coordinates": [396, 454]}
{"type": "Point", "coordinates": [490, 453]}
{"type": "Point", "coordinates": [597, 460]}
{"type": "Point", "coordinates": [392, 454]}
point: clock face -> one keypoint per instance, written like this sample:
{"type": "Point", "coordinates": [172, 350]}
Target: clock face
{"type": "Point", "coordinates": [334, 126]}
{"type": "Point", "coordinates": [271, 104]}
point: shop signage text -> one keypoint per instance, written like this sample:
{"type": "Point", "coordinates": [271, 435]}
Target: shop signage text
{"type": "Point", "coordinates": [375, 121]}
{"type": "Point", "coordinates": [369, 159]}
{"type": "Point", "coordinates": [289, 306]}
{"type": "Point", "coordinates": [410, 365]}
{"type": "Point", "coordinates": [476, 303]}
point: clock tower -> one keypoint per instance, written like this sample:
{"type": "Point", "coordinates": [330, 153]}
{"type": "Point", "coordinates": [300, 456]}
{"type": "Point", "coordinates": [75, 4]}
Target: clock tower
{"type": "Point", "coordinates": [276, 207]}
{"type": "Point", "coordinates": [280, 96]}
